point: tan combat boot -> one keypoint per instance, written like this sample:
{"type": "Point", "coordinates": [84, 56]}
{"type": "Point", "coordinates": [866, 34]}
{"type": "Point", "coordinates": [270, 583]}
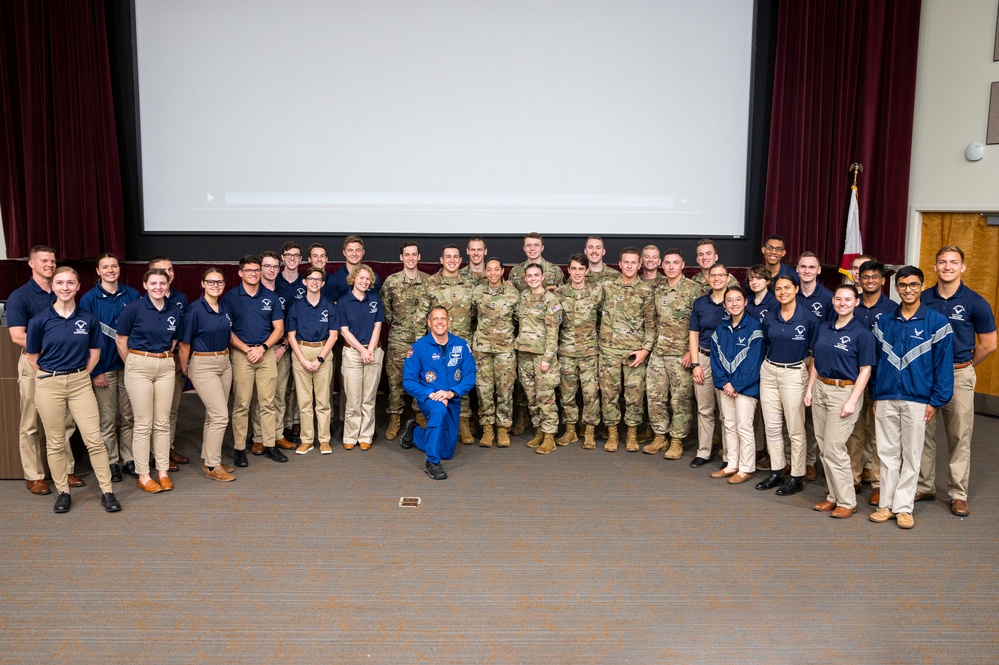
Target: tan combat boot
{"type": "Point", "coordinates": [421, 419]}
{"type": "Point", "coordinates": [675, 449]}
{"type": "Point", "coordinates": [487, 436]}
{"type": "Point", "coordinates": [547, 445]}
{"type": "Point", "coordinates": [465, 432]}
{"type": "Point", "coordinates": [502, 437]}
{"type": "Point", "coordinates": [569, 436]}
{"type": "Point", "coordinates": [647, 434]}
{"type": "Point", "coordinates": [631, 443]}
{"type": "Point", "coordinates": [520, 420]}
{"type": "Point", "coordinates": [395, 424]}
{"type": "Point", "coordinates": [657, 444]}
{"type": "Point", "coordinates": [611, 445]}
{"type": "Point", "coordinates": [538, 438]}
{"type": "Point", "coordinates": [589, 442]}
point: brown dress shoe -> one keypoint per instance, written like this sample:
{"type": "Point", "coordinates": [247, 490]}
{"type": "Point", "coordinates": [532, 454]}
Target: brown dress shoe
{"type": "Point", "coordinates": [364, 445]}
{"type": "Point", "coordinates": [74, 480]}
{"type": "Point", "coordinates": [177, 458]}
{"type": "Point", "coordinates": [165, 483]}
{"type": "Point", "coordinates": [172, 466]}
{"type": "Point", "coordinates": [875, 498]}
{"type": "Point", "coordinates": [257, 448]}
{"type": "Point", "coordinates": [925, 496]}
{"type": "Point", "coordinates": [739, 478]}
{"type": "Point", "coordinates": [150, 486]}
{"type": "Point", "coordinates": [842, 512]}
{"type": "Point", "coordinates": [825, 506]}
{"type": "Point", "coordinates": [811, 473]}
{"type": "Point", "coordinates": [723, 473]}
{"type": "Point", "coordinates": [285, 444]}
{"type": "Point", "coordinates": [960, 508]}
{"type": "Point", "coordinates": [39, 487]}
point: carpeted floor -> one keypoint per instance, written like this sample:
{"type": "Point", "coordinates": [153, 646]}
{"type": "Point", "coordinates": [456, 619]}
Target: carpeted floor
{"type": "Point", "coordinates": [575, 557]}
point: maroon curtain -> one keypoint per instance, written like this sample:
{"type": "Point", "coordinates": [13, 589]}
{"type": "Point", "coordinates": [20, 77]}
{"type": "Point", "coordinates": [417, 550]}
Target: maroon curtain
{"type": "Point", "coordinates": [60, 182]}
{"type": "Point", "coordinates": [844, 89]}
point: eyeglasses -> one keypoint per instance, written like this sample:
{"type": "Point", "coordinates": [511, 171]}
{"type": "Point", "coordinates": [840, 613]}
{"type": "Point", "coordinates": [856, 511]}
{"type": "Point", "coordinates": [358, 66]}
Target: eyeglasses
{"type": "Point", "coordinates": [250, 271]}
{"type": "Point", "coordinates": [772, 248]}
{"type": "Point", "coordinates": [909, 286]}
{"type": "Point", "coordinates": [292, 255]}
{"type": "Point", "coordinates": [312, 279]}
{"type": "Point", "coordinates": [214, 282]}
{"type": "Point", "coordinates": [269, 267]}
{"type": "Point", "coordinates": [870, 278]}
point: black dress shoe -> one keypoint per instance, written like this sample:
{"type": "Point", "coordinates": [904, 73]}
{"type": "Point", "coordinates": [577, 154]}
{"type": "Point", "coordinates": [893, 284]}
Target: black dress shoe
{"type": "Point", "coordinates": [792, 485]}
{"type": "Point", "coordinates": [110, 502]}
{"type": "Point", "coordinates": [291, 436]}
{"type": "Point", "coordinates": [698, 462]}
{"type": "Point", "coordinates": [435, 471]}
{"type": "Point", "coordinates": [275, 454]}
{"type": "Point", "coordinates": [239, 458]}
{"type": "Point", "coordinates": [406, 439]}
{"type": "Point", "coordinates": [773, 480]}
{"type": "Point", "coordinates": [129, 469]}
{"type": "Point", "coordinates": [115, 473]}
{"type": "Point", "coordinates": [63, 503]}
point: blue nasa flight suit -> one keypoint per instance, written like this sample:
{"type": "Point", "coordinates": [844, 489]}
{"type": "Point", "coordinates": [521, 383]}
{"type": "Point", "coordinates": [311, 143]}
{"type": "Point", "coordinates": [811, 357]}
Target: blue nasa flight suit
{"type": "Point", "coordinates": [430, 367]}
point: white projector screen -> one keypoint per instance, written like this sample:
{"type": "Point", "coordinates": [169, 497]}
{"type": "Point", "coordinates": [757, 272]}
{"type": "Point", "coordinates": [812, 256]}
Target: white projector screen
{"type": "Point", "coordinates": [410, 117]}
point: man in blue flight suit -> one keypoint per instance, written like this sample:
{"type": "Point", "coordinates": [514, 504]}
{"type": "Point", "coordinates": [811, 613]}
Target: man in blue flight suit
{"type": "Point", "coordinates": [437, 372]}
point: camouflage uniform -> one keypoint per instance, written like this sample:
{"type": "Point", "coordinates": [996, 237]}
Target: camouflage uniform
{"type": "Point", "coordinates": [578, 351]}
{"type": "Point", "coordinates": [475, 278]}
{"type": "Point", "coordinates": [606, 273]}
{"type": "Point", "coordinates": [406, 307]}
{"type": "Point", "coordinates": [493, 350]}
{"type": "Point", "coordinates": [668, 381]}
{"type": "Point", "coordinates": [454, 293]}
{"type": "Point", "coordinates": [537, 342]}
{"type": "Point", "coordinates": [627, 324]}
{"type": "Point", "coordinates": [553, 275]}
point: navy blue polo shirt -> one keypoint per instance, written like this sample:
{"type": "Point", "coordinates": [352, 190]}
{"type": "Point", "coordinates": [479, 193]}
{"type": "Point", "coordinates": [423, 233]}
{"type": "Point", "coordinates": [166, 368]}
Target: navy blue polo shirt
{"type": "Point", "coordinates": [360, 316]}
{"type": "Point", "coordinates": [147, 328]}
{"type": "Point", "coordinates": [819, 303]}
{"type": "Point", "coordinates": [312, 323]}
{"type": "Point", "coordinates": [252, 316]}
{"type": "Point", "coordinates": [287, 291]}
{"type": "Point", "coordinates": [869, 315]}
{"type": "Point", "coordinates": [969, 314]}
{"type": "Point", "coordinates": [336, 285]}
{"type": "Point", "coordinates": [789, 341]}
{"type": "Point", "coordinates": [768, 304]}
{"type": "Point", "coordinates": [179, 300]}
{"type": "Point", "coordinates": [206, 330]}
{"type": "Point", "coordinates": [839, 353]}
{"type": "Point", "coordinates": [705, 316]}
{"type": "Point", "coordinates": [63, 344]}
{"type": "Point", "coordinates": [27, 301]}
{"type": "Point", "coordinates": [783, 270]}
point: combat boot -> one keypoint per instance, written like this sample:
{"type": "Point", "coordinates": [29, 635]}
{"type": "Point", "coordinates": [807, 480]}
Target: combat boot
{"type": "Point", "coordinates": [465, 432]}
{"type": "Point", "coordinates": [631, 443]}
{"type": "Point", "coordinates": [421, 420]}
{"type": "Point", "coordinates": [547, 445]}
{"type": "Point", "coordinates": [675, 449]}
{"type": "Point", "coordinates": [538, 438]}
{"type": "Point", "coordinates": [395, 424]}
{"type": "Point", "coordinates": [520, 420]}
{"type": "Point", "coordinates": [647, 434]}
{"type": "Point", "coordinates": [657, 444]}
{"type": "Point", "coordinates": [589, 442]}
{"type": "Point", "coordinates": [569, 436]}
{"type": "Point", "coordinates": [487, 436]}
{"type": "Point", "coordinates": [611, 445]}
{"type": "Point", "coordinates": [502, 437]}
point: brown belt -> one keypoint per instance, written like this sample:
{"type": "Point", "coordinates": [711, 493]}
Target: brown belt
{"type": "Point", "coordinates": [149, 354]}
{"type": "Point", "coordinates": [223, 352]}
{"type": "Point", "coordinates": [966, 363]}
{"type": "Point", "coordinates": [839, 383]}
{"type": "Point", "coordinates": [314, 345]}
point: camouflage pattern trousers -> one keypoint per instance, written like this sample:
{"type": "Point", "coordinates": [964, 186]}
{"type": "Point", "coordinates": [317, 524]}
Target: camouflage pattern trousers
{"type": "Point", "coordinates": [669, 389]}
{"type": "Point", "coordinates": [614, 371]}
{"type": "Point", "coordinates": [540, 390]}
{"type": "Point", "coordinates": [495, 377]}
{"type": "Point", "coordinates": [395, 356]}
{"type": "Point", "coordinates": [584, 373]}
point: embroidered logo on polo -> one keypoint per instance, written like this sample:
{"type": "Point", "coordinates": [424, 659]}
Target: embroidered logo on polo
{"type": "Point", "coordinates": [282, 301]}
{"type": "Point", "coordinates": [299, 293]}
{"type": "Point", "coordinates": [843, 342]}
{"type": "Point", "coordinates": [324, 317]}
{"type": "Point", "coordinates": [817, 309]}
{"type": "Point", "coordinates": [171, 323]}
{"type": "Point", "coordinates": [430, 377]}
{"type": "Point", "coordinates": [81, 328]}
{"type": "Point", "coordinates": [799, 333]}
{"type": "Point", "coordinates": [957, 314]}
{"type": "Point", "coordinates": [265, 305]}
{"type": "Point", "coordinates": [372, 307]}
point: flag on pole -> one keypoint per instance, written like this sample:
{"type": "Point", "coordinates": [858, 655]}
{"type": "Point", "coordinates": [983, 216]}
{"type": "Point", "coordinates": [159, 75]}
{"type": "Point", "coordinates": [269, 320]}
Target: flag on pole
{"type": "Point", "coordinates": [854, 246]}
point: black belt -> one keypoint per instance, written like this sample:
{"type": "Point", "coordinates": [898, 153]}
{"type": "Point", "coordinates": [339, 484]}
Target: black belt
{"type": "Point", "coordinates": [706, 352]}
{"type": "Point", "coordinates": [797, 365]}
{"type": "Point", "coordinates": [62, 373]}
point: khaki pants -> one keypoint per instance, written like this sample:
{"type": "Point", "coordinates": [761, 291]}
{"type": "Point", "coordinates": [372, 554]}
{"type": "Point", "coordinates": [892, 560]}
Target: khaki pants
{"type": "Point", "coordinates": [313, 390]}
{"type": "Point", "coordinates": [150, 383]}
{"type": "Point", "coordinates": [737, 417]}
{"type": "Point", "coordinates": [29, 438]}
{"type": "Point", "coordinates": [178, 390]}
{"type": "Point", "coordinates": [246, 377]}
{"type": "Point", "coordinates": [706, 402]}
{"type": "Point", "coordinates": [284, 379]}
{"type": "Point", "coordinates": [212, 380]}
{"type": "Point", "coordinates": [959, 424]}
{"type": "Point", "coordinates": [831, 434]}
{"type": "Point", "coordinates": [863, 441]}
{"type": "Point", "coordinates": [900, 444]}
{"type": "Point", "coordinates": [115, 407]}
{"type": "Point", "coordinates": [71, 393]}
{"type": "Point", "coordinates": [782, 397]}
{"type": "Point", "coordinates": [360, 387]}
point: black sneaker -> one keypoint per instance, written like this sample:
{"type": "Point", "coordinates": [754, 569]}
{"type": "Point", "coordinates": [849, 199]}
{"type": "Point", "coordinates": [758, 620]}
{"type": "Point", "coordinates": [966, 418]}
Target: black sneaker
{"type": "Point", "coordinates": [435, 471]}
{"type": "Point", "coordinates": [110, 502]}
{"type": "Point", "coordinates": [64, 502]}
{"type": "Point", "coordinates": [239, 458]}
{"type": "Point", "coordinates": [129, 469]}
{"type": "Point", "coordinates": [406, 439]}
{"type": "Point", "coordinates": [115, 473]}
{"type": "Point", "coordinates": [275, 454]}
{"type": "Point", "coordinates": [698, 462]}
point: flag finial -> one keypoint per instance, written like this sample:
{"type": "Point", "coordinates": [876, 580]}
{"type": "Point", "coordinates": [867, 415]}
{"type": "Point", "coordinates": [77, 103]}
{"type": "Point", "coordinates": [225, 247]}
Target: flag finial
{"type": "Point", "coordinates": [856, 168]}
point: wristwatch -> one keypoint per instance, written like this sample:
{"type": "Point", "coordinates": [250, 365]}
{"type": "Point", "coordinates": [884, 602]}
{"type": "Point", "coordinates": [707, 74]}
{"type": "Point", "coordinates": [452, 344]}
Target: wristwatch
{"type": "Point", "coordinates": [320, 359]}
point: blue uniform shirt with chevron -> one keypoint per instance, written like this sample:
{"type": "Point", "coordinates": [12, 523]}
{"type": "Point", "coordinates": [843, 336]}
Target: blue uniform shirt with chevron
{"type": "Point", "coordinates": [916, 358]}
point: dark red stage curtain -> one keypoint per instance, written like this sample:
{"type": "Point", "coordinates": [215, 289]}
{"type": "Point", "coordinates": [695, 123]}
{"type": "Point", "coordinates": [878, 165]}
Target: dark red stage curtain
{"type": "Point", "coordinates": [60, 182]}
{"type": "Point", "coordinates": [844, 89]}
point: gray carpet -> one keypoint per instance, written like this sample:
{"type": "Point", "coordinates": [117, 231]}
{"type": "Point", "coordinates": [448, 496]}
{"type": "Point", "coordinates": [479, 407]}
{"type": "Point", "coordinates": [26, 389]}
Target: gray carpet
{"type": "Point", "coordinates": [575, 557]}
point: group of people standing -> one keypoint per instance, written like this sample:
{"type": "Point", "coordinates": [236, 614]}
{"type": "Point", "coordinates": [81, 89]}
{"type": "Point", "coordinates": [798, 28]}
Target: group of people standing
{"type": "Point", "coordinates": [786, 362]}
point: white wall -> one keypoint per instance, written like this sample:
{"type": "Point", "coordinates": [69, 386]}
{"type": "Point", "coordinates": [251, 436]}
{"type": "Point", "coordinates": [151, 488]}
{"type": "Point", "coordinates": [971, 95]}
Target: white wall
{"type": "Point", "coordinates": [953, 80]}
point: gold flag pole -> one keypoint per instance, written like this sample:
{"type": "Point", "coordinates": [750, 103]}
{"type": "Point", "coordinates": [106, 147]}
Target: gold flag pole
{"type": "Point", "coordinates": [856, 168]}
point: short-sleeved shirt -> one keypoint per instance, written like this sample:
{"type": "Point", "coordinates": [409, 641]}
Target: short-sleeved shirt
{"type": "Point", "coordinates": [179, 300]}
{"type": "Point", "coordinates": [766, 306]}
{"type": "Point", "coordinates": [336, 285]}
{"type": "Point", "coordinates": [312, 323]}
{"type": "Point", "coordinates": [27, 301]}
{"type": "Point", "coordinates": [869, 315]}
{"type": "Point", "coordinates": [206, 330]}
{"type": "Point", "coordinates": [253, 316]}
{"type": "Point", "coordinates": [969, 315]}
{"type": "Point", "coordinates": [789, 341]}
{"type": "Point", "coordinates": [839, 353]}
{"type": "Point", "coordinates": [705, 316]}
{"type": "Point", "coordinates": [147, 328]}
{"type": "Point", "coordinates": [63, 344]}
{"type": "Point", "coordinates": [360, 316]}
{"type": "Point", "coordinates": [819, 303]}
{"type": "Point", "coordinates": [287, 291]}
